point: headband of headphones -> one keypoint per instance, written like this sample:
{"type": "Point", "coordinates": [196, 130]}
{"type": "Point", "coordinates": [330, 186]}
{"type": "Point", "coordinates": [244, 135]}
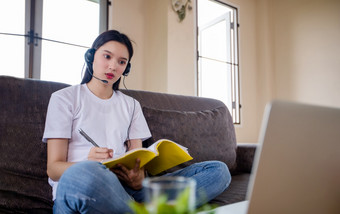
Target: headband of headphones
{"type": "Point", "coordinates": [89, 57]}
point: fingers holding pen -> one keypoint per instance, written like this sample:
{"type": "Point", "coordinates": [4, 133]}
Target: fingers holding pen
{"type": "Point", "coordinates": [100, 153]}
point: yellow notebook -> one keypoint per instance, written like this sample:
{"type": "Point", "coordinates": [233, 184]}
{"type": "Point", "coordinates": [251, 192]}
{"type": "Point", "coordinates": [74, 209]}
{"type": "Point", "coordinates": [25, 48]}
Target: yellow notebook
{"type": "Point", "coordinates": [161, 155]}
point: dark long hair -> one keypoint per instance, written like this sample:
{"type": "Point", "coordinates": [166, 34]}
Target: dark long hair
{"type": "Point", "coordinates": [110, 35]}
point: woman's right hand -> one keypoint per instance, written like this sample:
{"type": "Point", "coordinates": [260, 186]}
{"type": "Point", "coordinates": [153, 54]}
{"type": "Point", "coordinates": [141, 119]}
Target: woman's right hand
{"type": "Point", "coordinates": [99, 154]}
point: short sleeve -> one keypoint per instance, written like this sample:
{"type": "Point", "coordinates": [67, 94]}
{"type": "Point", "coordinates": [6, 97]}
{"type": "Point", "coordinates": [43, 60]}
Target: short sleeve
{"type": "Point", "coordinates": [59, 118]}
{"type": "Point", "coordinates": [139, 128]}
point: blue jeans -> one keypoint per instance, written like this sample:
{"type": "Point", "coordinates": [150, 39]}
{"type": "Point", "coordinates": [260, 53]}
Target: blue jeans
{"type": "Point", "coordinates": [89, 187]}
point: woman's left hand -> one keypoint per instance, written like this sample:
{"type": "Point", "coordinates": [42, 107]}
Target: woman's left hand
{"type": "Point", "coordinates": [133, 178]}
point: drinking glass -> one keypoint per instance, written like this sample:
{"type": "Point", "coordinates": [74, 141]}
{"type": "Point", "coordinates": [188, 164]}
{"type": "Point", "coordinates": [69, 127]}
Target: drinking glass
{"type": "Point", "coordinates": [168, 194]}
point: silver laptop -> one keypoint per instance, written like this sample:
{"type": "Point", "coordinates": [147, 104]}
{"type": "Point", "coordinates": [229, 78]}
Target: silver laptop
{"type": "Point", "coordinates": [297, 164]}
{"type": "Point", "coordinates": [297, 167]}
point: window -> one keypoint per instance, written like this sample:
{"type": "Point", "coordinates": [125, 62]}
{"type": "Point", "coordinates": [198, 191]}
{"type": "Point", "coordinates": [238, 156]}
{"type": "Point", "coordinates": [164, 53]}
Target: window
{"type": "Point", "coordinates": [47, 39]}
{"type": "Point", "coordinates": [12, 24]}
{"type": "Point", "coordinates": [218, 67]}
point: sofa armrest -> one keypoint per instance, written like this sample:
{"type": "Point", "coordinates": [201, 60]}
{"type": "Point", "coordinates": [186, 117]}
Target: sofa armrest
{"type": "Point", "coordinates": [245, 153]}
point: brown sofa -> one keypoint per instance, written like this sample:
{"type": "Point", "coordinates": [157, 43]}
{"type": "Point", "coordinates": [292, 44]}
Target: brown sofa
{"type": "Point", "coordinates": [203, 125]}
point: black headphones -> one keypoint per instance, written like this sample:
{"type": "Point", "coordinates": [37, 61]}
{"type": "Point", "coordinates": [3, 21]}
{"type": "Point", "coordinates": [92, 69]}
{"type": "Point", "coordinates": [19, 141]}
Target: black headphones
{"type": "Point", "coordinates": [89, 57]}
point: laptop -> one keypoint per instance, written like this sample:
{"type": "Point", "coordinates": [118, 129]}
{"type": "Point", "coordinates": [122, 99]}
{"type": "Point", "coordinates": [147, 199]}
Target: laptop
{"type": "Point", "coordinates": [297, 164]}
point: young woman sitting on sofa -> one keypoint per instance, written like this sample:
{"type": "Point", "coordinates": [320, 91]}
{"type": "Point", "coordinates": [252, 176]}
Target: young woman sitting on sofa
{"type": "Point", "coordinates": [117, 124]}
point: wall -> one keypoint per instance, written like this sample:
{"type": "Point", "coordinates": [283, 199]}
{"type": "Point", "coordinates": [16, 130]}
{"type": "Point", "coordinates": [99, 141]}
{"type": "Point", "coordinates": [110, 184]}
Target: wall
{"type": "Point", "coordinates": [165, 59]}
{"type": "Point", "coordinates": [182, 53]}
{"type": "Point", "coordinates": [288, 50]}
{"type": "Point", "coordinates": [128, 16]}
{"type": "Point", "coordinates": [307, 53]}
{"type": "Point", "coordinates": [155, 54]}
{"type": "Point", "coordinates": [297, 55]}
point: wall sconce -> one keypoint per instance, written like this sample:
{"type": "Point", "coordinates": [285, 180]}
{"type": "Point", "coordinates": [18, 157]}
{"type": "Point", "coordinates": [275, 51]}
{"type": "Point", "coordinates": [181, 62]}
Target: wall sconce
{"type": "Point", "coordinates": [180, 7]}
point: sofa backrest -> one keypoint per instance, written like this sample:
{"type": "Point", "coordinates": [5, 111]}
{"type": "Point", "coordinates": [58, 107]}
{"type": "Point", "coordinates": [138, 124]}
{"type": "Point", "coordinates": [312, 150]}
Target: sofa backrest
{"type": "Point", "coordinates": [202, 125]}
{"type": "Point", "coordinates": [23, 178]}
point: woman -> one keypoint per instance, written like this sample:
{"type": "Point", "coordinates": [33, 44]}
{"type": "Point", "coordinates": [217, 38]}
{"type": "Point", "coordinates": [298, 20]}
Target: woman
{"type": "Point", "coordinates": [116, 123]}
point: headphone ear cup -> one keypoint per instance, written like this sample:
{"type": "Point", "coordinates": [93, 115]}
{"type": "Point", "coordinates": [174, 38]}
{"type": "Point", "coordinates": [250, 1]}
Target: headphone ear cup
{"type": "Point", "coordinates": [89, 55]}
{"type": "Point", "coordinates": [127, 69]}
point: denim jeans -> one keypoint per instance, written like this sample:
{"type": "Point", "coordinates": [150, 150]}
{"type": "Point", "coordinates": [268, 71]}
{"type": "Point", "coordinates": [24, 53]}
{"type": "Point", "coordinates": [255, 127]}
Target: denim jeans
{"type": "Point", "coordinates": [89, 187]}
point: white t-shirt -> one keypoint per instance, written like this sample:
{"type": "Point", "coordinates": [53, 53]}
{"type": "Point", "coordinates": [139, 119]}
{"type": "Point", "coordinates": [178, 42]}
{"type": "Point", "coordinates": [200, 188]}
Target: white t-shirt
{"type": "Point", "coordinates": [108, 122]}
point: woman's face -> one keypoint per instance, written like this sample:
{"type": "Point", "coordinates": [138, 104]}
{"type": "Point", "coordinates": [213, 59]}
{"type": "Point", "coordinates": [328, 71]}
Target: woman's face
{"type": "Point", "coordinates": [110, 61]}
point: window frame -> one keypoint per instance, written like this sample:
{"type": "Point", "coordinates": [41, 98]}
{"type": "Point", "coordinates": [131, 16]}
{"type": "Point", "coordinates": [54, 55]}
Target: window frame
{"type": "Point", "coordinates": [33, 29]}
{"type": "Point", "coordinates": [235, 66]}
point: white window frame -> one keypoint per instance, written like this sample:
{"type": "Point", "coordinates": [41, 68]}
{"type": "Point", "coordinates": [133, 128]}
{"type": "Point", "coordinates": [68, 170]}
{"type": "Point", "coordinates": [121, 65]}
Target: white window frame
{"type": "Point", "coordinates": [234, 106]}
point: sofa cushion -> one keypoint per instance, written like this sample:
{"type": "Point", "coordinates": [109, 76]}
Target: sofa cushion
{"type": "Point", "coordinates": [208, 134]}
